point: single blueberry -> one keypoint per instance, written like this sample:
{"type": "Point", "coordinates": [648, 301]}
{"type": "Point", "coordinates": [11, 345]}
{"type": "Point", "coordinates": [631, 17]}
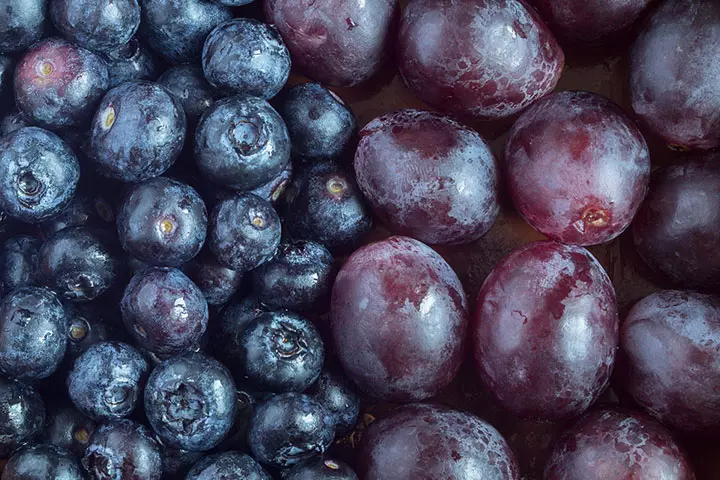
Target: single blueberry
{"type": "Point", "coordinates": [99, 25]}
{"type": "Point", "coordinates": [189, 86]}
{"type": "Point", "coordinates": [132, 61]}
{"type": "Point", "coordinates": [22, 23]}
{"type": "Point", "coordinates": [320, 469]}
{"type": "Point", "coordinates": [69, 429]}
{"type": "Point", "coordinates": [227, 465]}
{"type": "Point", "coordinates": [42, 462]}
{"type": "Point", "coordinates": [22, 415]}
{"type": "Point", "coordinates": [336, 393]}
{"type": "Point", "coordinates": [217, 282]}
{"type": "Point", "coordinates": [18, 263]}
{"type": "Point", "coordinates": [228, 329]}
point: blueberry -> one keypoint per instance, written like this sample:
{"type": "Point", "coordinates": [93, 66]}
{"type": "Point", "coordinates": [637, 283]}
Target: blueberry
{"type": "Point", "coordinates": [107, 379]}
{"type": "Point", "coordinates": [228, 330]}
{"type": "Point", "coordinates": [319, 122]}
{"type": "Point", "coordinates": [162, 222]}
{"type": "Point", "coordinates": [289, 428]}
{"type": "Point", "coordinates": [58, 84]}
{"type": "Point", "coordinates": [42, 462]}
{"type": "Point", "coordinates": [132, 61]}
{"type": "Point", "coordinates": [83, 210]}
{"type": "Point", "coordinates": [138, 131]}
{"type": "Point", "coordinates": [320, 469]}
{"type": "Point", "coordinates": [244, 232]}
{"type": "Point", "coordinates": [11, 122]}
{"type": "Point", "coordinates": [22, 23]}
{"type": "Point", "coordinates": [227, 465]}
{"type": "Point", "coordinates": [123, 450]}
{"type": "Point", "coordinates": [88, 324]}
{"type": "Point", "coordinates": [164, 311]}
{"type": "Point", "coordinates": [176, 462]}
{"type": "Point", "coordinates": [38, 174]}
{"type": "Point", "coordinates": [100, 25]}
{"type": "Point", "coordinates": [246, 56]}
{"type": "Point", "coordinates": [241, 143]}
{"type": "Point", "coordinates": [298, 278]}
{"type": "Point", "coordinates": [233, 3]}
{"type": "Point", "coordinates": [274, 190]}
{"type": "Point", "coordinates": [32, 333]}
{"type": "Point", "coordinates": [324, 204]}
{"type": "Point", "coordinates": [176, 29]}
{"type": "Point", "coordinates": [7, 65]}
{"type": "Point", "coordinates": [18, 261]}
{"type": "Point", "coordinates": [189, 86]}
{"type": "Point", "coordinates": [79, 263]}
{"type": "Point", "coordinates": [22, 415]}
{"type": "Point", "coordinates": [338, 395]}
{"type": "Point", "coordinates": [190, 402]}
{"type": "Point", "coordinates": [69, 429]}
{"type": "Point", "coordinates": [217, 282]}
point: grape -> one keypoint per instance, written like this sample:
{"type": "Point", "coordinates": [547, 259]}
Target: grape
{"type": "Point", "coordinates": [577, 168]}
{"type": "Point", "coordinates": [485, 59]}
{"type": "Point", "coordinates": [428, 177]}
{"type": "Point", "coordinates": [546, 331]}
{"type": "Point", "coordinates": [399, 317]}
{"type": "Point", "coordinates": [670, 359]}
{"type": "Point", "coordinates": [673, 73]}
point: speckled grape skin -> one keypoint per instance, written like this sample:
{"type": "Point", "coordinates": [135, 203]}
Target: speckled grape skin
{"type": "Point", "coordinates": [670, 359]}
{"type": "Point", "coordinates": [428, 177]}
{"type": "Point", "coordinates": [477, 58]}
{"type": "Point", "coordinates": [617, 444]}
{"type": "Point", "coordinates": [42, 462]}
{"type": "Point", "coordinates": [546, 329]}
{"type": "Point", "coordinates": [176, 29]}
{"type": "Point", "coordinates": [338, 43]}
{"type": "Point", "coordinates": [132, 61]}
{"type": "Point", "coordinates": [138, 131]}
{"type": "Point", "coordinates": [190, 402]}
{"type": "Point", "coordinates": [578, 168]}
{"type": "Point", "coordinates": [399, 320]}
{"type": "Point", "coordinates": [96, 25]}
{"type": "Point", "coordinates": [320, 469]}
{"type": "Point", "coordinates": [434, 443]}
{"type": "Point", "coordinates": [68, 94]}
{"type": "Point", "coordinates": [32, 157]}
{"type": "Point", "coordinates": [227, 465]}
{"type": "Point", "coordinates": [677, 229]}
{"type": "Point", "coordinates": [22, 23]}
{"type": "Point", "coordinates": [189, 86]}
{"type": "Point", "coordinates": [33, 323]}
{"type": "Point", "coordinates": [22, 415]}
{"type": "Point", "coordinates": [164, 311]}
{"type": "Point", "coordinates": [18, 260]}
{"type": "Point", "coordinates": [674, 64]}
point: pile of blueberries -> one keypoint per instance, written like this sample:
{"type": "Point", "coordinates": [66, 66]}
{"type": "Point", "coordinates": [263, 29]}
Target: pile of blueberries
{"type": "Point", "coordinates": [188, 283]}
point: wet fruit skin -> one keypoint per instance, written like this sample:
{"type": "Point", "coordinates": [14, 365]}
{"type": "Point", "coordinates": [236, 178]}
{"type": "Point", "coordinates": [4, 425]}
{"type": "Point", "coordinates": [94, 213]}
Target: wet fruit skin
{"type": "Point", "coordinates": [190, 402]}
{"type": "Point", "coordinates": [428, 177]}
{"type": "Point", "coordinates": [164, 311]}
{"type": "Point", "coordinates": [22, 415]}
{"type": "Point", "coordinates": [32, 333]}
{"type": "Point", "coordinates": [610, 443]}
{"type": "Point", "coordinates": [320, 469]}
{"type": "Point", "coordinates": [18, 261]}
{"type": "Point", "coordinates": [69, 429]}
{"type": "Point", "coordinates": [227, 465]}
{"type": "Point", "coordinates": [38, 174]}
{"type": "Point", "coordinates": [546, 329]}
{"type": "Point", "coordinates": [133, 61]}
{"type": "Point", "coordinates": [58, 84]}
{"type": "Point", "coordinates": [486, 60]}
{"type": "Point", "coordinates": [246, 56]}
{"type": "Point", "coordinates": [578, 168]}
{"type": "Point", "coordinates": [162, 222]}
{"type": "Point", "coordinates": [40, 462]}
{"type": "Point", "coordinates": [217, 282]}
{"type": "Point", "coordinates": [676, 231]}
{"type": "Point", "coordinates": [669, 359]}
{"type": "Point", "coordinates": [22, 23]}
{"type": "Point", "coordinates": [120, 447]}
{"type": "Point", "coordinates": [188, 84]}
{"type": "Point", "coordinates": [673, 64]}
{"type": "Point", "coordinates": [338, 43]}
{"type": "Point", "coordinates": [434, 443]}
{"type": "Point", "coordinates": [399, 319]}
{"type": "Point", "coordinates": [138, 131]}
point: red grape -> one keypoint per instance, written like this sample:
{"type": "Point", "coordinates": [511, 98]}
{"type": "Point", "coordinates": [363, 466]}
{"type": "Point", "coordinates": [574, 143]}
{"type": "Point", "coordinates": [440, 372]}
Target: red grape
{"type": "Point", "coordinates": [336, 42]}
{"type": "Point", "coordinates": [424, 442]}
{"type": "Point", "coordinates": [670, 359]}
{"type": "Point", "coordinates": [399, 319]}
{"type": "Point", "coordinates": [578, 168]}
{"type": "Point", "coordinates": [615, 444]}
{"type": "Point", "coordinates": [546, 331]}
{"type": "Point", "coordinates": [428, 177]}
{"type": "Point", "coordinates": [482, 58]}
{"type": "Point", "coordinates": [674, 67]}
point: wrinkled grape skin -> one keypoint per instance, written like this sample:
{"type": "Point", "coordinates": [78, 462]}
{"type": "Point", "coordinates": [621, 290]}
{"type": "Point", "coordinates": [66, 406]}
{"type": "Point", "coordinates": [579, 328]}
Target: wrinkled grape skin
{"type": "Point", "coordinates": [399, 318]}
{"type": "Point", "coordinates": [677, 229]}
{"type": "Point", "coordinates": [428, 177]}
{"type": "Point", "coordinates": [492, 71]}
{"type": "Point", "coordinates": [670, 359]}
{"type": "Point", "coordinates": [546, 329]}
{"type": "Point", "coordinates": [435, 443]}
{"type": "Point", "coordinates": [618, 444]}
{"type": "Point", "coordinates": [674, 66]}
{"type": "Point", "coordinates": [337, 43]}
{"type": "Point", "coordinates": [577, 168]}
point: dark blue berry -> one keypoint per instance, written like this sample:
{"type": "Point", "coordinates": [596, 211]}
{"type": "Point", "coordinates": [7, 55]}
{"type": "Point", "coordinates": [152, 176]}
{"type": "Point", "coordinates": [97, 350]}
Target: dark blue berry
{"type": "Point", "coordinates": [190, 401]}
{"type": "Point", "coordinates": [42, 462]}
{"type": "Point", "coordinates": [11, 122]}
{"type": "Point", "coordinates": [69, 429]}
{"type": "Point", "coordinates": [132, 61]}
{"type": "Point", "coordinates": [274, 190]}
{"type": "Point", "coordinates": [217, 282]}
{"type": "Point", "coordinates": [338, 395]}
{"type": "Point", "coordinates": [38, 174]}
{"type": "Point", "coordinates": [99, 25]}
{"type": "Point", "coordinates": [228, 329]}
{"type": "Point", "coordinates": [22, 415]}
{"type": "Point", "coordinates": [189, 86]}
{"type": "Point", "coordinates": [227, 465]}
{"type": "Point", "coordinates": [241, 143]}
{"type": "Point", "coordinates": [22, 23]}
{"type": "Point", "coordinates": [18, 262]}
{"type": "Point", "coordinates": [83, 210]}
{"type": "Point", "coordinates": [320, 469]}
{"type": "Point", "coordinates": [91, 323]}
{"type": "Point", "coordinates": [177, 462]}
